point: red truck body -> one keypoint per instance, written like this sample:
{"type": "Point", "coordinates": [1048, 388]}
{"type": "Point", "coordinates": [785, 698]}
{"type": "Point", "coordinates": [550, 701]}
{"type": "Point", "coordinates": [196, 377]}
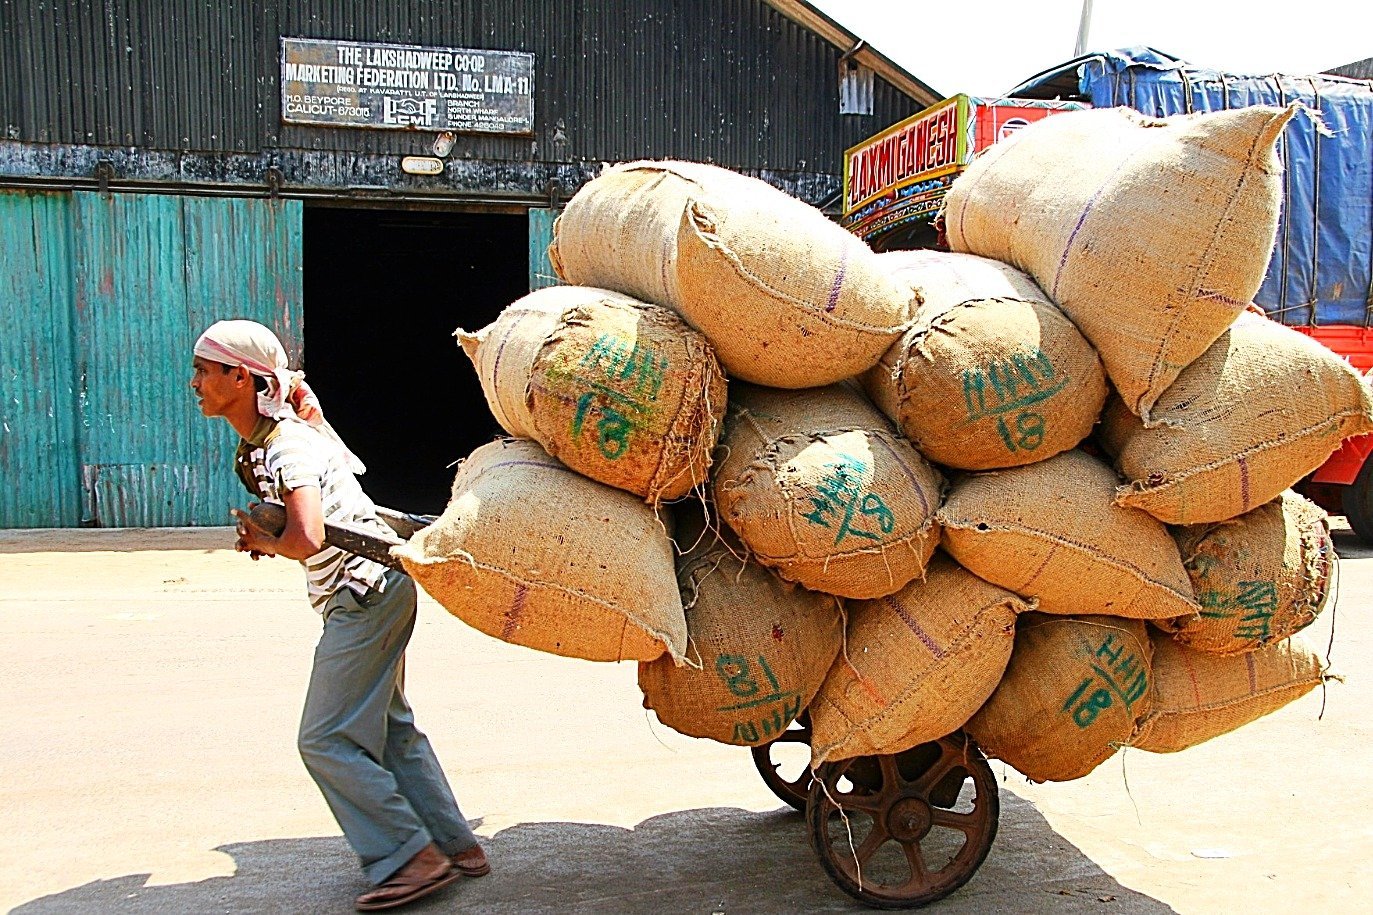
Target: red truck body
{"type": "Point", "coordinates": [1355, 344]}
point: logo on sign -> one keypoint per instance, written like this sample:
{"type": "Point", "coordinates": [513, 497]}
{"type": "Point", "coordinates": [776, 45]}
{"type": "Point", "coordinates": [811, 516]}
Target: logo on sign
{"type": "Point", "coordinates": [409, 112]}
{"type": "Point", "coordinates": [1010, 127]}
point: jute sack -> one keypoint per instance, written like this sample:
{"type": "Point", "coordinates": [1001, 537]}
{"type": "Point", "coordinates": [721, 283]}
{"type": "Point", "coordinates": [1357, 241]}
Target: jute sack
{"type": "Point", "coordinates": [944, 279]}
{"type": "Point", "coordinates": [787, 297]}
{"type": "Point", "coordinates": [619, 390]}
{"type": "Point", "coordinates": [1258, 578]}
{"type": "Point", "coordinates": [1198, 695]}
{"type": "Point", "coordinates": [949, 278]}
{"type": "Point", "coordinates": [1261, 409]}
{"type": "Point", "coordinates": [1150, 234]}
{"type": "Point", "coordinates": [535, 554]}
{"type": "Point", "coordinates": [820, 488]}
{"type": "Point", "coordinates": [984, 380]}
{"type": "Point", "coordinates": [916, 665]}
{"type": "Point", "coordinates": [1073, 690]}
{"type": "Point", "coordinates": [757, 649]}
{"type": "Point", "coordinates": [1051, 531]}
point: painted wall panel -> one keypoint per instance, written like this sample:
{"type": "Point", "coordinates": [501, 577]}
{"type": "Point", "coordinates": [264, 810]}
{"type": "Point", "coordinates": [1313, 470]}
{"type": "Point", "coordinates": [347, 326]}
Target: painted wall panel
{"type": "Point", "coordinates": [101, 299]}
{"type": "Point", "coordinates": [540, 237]}
{"type": "Point", "coordinates": [39, 436]}
{"type": "Point", "coordinates": [151, 272]}
{"type": "Point", "coordinates": [243, 259]}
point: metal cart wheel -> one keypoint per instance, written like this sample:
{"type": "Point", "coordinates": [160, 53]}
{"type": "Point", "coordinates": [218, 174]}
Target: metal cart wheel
{"type": "Point", "coordinates": [795, 791]}
{"type": "Point", "coordinates": [901, 831]}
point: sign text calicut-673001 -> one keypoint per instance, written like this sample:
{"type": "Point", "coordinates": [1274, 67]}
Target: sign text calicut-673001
{"type": "Point", "coordinates": [356, 84]}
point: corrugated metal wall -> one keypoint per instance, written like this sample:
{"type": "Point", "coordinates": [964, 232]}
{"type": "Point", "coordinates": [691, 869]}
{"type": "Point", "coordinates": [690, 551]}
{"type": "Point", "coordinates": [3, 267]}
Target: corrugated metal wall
{"type": "Point", "coordinates": [737, 82]}
{"type": "Point", "coordinates": [175, 75]}
{"type": "Point", "coordinates": [38, 384]}
{"type": "Point", "coordinates": [109, 297]}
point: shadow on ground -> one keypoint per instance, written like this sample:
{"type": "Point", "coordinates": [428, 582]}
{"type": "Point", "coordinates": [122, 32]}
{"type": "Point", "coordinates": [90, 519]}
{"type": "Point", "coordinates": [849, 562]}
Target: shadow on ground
{"type": "Point", "coordinates": [1348, 545]}
{"type": "Point", "coordinates": [710, 860]}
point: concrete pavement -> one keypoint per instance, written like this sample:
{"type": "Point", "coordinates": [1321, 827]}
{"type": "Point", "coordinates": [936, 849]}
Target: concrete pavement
{"type": "Point", "coordinates": [152, 683]}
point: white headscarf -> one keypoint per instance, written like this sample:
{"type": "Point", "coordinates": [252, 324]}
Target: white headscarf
{"type": "Point", "coordinates": [256, 348]}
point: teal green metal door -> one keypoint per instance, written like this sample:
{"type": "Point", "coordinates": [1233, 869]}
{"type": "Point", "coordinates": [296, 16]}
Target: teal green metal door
{"type": "Point", "coordinates": [39, 440]}
{"type": "Point", "coordinates": [540, 237]}
{"type": "Point", "coordinates": [144, 275]}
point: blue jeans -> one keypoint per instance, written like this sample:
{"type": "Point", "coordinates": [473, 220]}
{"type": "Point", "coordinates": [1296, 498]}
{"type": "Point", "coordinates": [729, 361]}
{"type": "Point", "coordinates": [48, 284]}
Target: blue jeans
{"type": "Point", "coordinates": [358, 739]}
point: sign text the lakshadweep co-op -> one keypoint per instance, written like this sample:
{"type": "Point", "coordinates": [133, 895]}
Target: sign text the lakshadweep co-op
{"type": "Point", "coordinates": [354, 84]}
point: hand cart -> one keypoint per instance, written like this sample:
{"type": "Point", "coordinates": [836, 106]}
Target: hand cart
{"type": "Point", "coordinates": [894, 832]}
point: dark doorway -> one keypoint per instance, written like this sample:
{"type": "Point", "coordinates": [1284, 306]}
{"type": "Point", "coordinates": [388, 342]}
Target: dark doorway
{"type": "Point", "coordinates": [914, 234]}
{"type": "Point", "coordinates": [384, 291]}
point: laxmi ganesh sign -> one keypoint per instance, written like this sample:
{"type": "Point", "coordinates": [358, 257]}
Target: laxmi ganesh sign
{"type": "Point", "coordinates": [929, 143]}
{"type": "Point", "coordinates": [405, 87]}
{"type": "Point", "coordinates": [900, 176]}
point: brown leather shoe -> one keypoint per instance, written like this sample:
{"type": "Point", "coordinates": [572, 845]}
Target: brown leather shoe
{"type": "Point", "coordinates": [471, 862]}
{"type": "Point", "coordinates": [427, 871]}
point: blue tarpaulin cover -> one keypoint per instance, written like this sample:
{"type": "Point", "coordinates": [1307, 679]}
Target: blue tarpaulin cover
{"type": "Point", "coordinates": [1322, 267]}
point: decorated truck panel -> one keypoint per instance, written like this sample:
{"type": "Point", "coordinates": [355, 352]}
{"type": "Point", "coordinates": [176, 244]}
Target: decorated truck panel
{"type": "Point", "coordinates": [895, 181]}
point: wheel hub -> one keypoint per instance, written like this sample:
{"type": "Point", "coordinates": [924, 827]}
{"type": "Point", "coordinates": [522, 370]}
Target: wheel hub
{"type": "Point", "coordinates": [903, 809]}
{"type": "Point", "coordinates": [909, 820]}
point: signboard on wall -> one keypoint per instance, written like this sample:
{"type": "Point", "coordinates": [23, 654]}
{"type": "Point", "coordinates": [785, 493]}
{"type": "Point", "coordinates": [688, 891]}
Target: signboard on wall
{"type": "Point", "coordinates": [406, 87]}
{"type": "Point", "coordinates": [902, 174]}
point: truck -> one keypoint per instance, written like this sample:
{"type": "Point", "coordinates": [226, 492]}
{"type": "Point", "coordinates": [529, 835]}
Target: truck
{"type": "Point", "coordinates": [1320, 277]}
{"type": "Point", "coordinates": [895, 181]}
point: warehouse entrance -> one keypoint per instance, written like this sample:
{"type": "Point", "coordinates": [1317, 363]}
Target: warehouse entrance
{"type": "Point", "coordinates": [384, 290]}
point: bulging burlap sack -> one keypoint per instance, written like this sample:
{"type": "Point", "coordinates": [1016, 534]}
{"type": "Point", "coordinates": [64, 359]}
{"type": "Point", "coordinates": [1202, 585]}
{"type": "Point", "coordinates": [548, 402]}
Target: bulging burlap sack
{"type": "Point", "coordinates": [944, 279]}
{"type": "Point", "coordinates": [535, 554]}
{"type": "Point", "coordinates": [788, 298]}
{"type": "Point", "coordinates": [1071, 695]}
{"type": "Point", "coordinates": [819, 487]}
{"type": "Point", "coordinates": [916, 665]}
{"type": "Point", "coordinates": [1151, 235]}
{"type": "Point", "coordinates": [621, 391]}
{"type": "Point", "coordinates": [1261, 409]}
{"type": "Point", "coordinates": [1051, 531]}
{"type": "Point", "coordinates": [762, 646]}
{"type": "Point", "coordinates": [1198, 695]}
{"type": "Point", "coordinates": [984, 380]}
{"type": "Point", "coordinates": [948, 278]}
{"type": "Point", "coordinates": [1258, 578]}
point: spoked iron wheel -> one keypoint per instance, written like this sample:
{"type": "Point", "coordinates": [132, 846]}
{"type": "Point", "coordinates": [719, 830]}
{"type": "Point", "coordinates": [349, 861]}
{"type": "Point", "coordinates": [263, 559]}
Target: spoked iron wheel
{"type": "Point", "coordinates": [792, 787]}
{"type": "Point", "coordinates": [899, 832]}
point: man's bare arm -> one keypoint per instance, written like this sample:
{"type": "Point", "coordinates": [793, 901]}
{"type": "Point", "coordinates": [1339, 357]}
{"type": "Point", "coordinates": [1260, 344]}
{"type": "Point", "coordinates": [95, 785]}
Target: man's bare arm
{"type": "Point", "coordinates": [303, 535]}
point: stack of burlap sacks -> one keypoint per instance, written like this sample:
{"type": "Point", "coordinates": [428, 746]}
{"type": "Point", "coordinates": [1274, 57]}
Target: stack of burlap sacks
{"type": "Point", "coordinates": [1036, 488]}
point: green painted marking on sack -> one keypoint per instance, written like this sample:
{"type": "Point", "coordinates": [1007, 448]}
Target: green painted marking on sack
{"type": "Point", "coordinates": [770, 727]}
{"type": "Point", "coordinates": [605, 372]}
{"type": "Point", "coordinates": [1260, 600]}
{"type": "Point", "coordinates": [737, 673]}
{"type": "Point", "coordinates": [1005, 386]}
{"type": "Point", "coordinates": [1122, 676]}
{"type": "Point", "coordinates": [1029, 427]}
{"type": "Point", "coordinates": [619, 359]}
{"type": "Point", "coordinates": [612, 429]}
{"type": "Point", "coordinates": [1254, 603]}
{"type": "Point", "coordinates": [839, 496]}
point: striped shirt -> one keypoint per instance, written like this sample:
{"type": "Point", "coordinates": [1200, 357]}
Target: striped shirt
{"type": "Point", "coordinates": [293, 455]}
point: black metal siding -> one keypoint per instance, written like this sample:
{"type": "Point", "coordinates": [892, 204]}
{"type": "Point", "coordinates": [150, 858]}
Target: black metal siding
{"type": "Point", "coordinates": [1359, 69]}
{"type": "Point", "coordinates": [174, 76]}
{"type": "Point", "coordinates": [731, 81]}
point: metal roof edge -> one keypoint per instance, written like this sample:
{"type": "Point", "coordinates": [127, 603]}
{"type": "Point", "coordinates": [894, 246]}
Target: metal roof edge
{"type": "Point", "coordinates": [1042, 83]}
{"type": "Point", "coordinates": [808, 17]}
{"type": "Point", "coordinates": [1041, 79]}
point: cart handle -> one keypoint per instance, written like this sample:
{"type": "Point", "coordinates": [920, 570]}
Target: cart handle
{"type": "Point", "coordinates": [271, 517]}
